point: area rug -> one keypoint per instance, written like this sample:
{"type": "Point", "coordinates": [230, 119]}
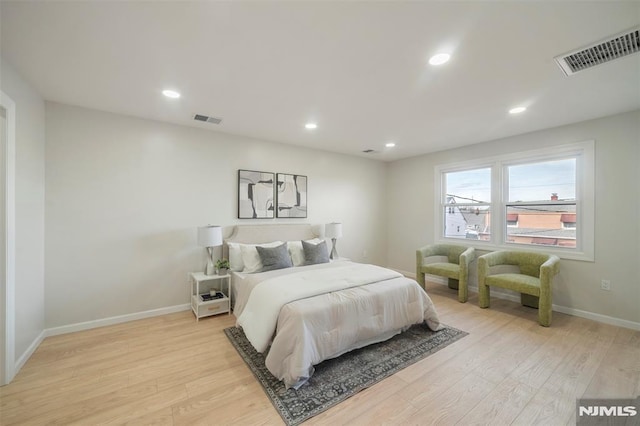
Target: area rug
{"type": "Point", "coordinates": [340, 378]}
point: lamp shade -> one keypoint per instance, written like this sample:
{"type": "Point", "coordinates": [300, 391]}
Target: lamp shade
{"type": "Point", "coordinates": [209, 236]}
{"type": "Point", "coordinates": [333, 230]}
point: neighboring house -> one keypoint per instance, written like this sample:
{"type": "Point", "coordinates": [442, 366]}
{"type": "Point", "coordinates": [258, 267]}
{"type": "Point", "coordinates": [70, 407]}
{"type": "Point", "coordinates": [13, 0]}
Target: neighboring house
{"type": "Point", "coordinates": [478, 223]}
{"type": "Point", "coordinates": [455, 224]}
{"type": "Point", "coordinates": [547, 225]}
{"type": "Point", "coordinates": [465, 221]}
{"type": "Point", "coordinates": [551, 225]}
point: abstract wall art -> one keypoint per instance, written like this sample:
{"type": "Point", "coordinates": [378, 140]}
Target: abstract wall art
{"type": "Point", "coordinates": [291, 193]}
{"type": "Point", "coordinates": [255, 195]}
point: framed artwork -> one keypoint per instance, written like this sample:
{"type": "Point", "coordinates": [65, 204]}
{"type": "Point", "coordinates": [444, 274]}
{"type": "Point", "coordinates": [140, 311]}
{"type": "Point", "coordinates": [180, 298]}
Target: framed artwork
{"type": "Point", "coordinates": [255, 195]}
{"type": "Point", "coordinates": [291, 195]}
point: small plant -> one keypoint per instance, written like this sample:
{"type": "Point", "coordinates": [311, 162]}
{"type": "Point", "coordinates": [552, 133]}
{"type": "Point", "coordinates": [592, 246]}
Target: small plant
{"type": "Point", "coordinates": [222, 264]}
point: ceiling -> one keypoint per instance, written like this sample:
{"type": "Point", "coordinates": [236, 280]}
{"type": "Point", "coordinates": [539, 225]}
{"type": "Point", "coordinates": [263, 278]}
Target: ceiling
{"type": "Point", "coordinates": [358, 69]}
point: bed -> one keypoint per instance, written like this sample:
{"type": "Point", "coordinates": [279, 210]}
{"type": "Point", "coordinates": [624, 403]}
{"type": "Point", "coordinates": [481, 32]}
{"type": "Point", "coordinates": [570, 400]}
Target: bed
{"type": "Point", "coordinates": [302, 315]}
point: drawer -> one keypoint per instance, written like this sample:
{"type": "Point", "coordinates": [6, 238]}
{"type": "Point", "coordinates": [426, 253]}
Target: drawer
{"type": "Point", "coordinates": [213, 307]}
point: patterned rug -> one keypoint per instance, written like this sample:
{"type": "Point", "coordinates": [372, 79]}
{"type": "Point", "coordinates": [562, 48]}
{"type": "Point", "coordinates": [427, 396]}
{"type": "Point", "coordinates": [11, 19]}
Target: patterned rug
{"type": "Point", "coordinates": [337, 379]}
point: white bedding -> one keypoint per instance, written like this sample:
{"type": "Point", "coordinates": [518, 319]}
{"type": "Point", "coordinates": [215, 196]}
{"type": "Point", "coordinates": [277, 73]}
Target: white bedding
{"type": "Point", "coordinates": [260, 315]}
{"type": "Point", "coordinates": [318, 312]}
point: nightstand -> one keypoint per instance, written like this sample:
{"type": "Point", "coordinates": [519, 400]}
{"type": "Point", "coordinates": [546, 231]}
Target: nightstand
{"type": "Point", "coordinates": [201, 285]}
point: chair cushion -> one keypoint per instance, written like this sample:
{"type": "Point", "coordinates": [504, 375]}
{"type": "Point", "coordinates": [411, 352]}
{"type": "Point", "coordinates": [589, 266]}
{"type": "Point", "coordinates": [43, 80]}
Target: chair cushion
{"type": "Point", "coordinates": [450, 270]}
{"type": "Point", "coordinates": [518, 282]}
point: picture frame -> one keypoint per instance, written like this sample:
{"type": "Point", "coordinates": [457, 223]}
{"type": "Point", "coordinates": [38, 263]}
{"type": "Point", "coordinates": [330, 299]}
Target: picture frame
{"type": "Point", "coordinates": [256, 194]}
{"type": "Point", "coordinates": [291, 195]}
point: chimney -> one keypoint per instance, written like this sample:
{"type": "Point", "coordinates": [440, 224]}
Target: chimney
{"type": "Point", "coordinates": [554, 196]}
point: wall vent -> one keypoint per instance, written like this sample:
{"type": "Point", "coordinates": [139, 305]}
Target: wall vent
{"type": "Point", "coordinates": [207, 119]}
{"type": "Point", "coordinates": [614, 47]}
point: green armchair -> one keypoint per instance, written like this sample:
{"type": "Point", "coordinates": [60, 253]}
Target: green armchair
{"type": "Point", "coordinates": [531, 275]}
{"type": "Point", "coordinates": [455, 268]}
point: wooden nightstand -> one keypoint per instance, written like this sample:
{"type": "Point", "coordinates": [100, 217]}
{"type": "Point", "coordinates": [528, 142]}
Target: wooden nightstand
{"type": "Point", "coordinates": [201, 285]}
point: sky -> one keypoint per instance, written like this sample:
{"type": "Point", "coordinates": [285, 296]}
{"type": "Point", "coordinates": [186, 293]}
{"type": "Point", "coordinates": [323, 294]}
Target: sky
{"type": "Point", "coordinates": [527, 182]}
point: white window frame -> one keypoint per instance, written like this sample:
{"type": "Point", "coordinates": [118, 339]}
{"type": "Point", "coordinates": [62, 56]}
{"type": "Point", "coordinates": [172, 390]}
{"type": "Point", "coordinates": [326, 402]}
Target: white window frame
{"type": "Point", "coordinates": [583, 152]}
{"type": "Point", "coordinates": [443, 204]}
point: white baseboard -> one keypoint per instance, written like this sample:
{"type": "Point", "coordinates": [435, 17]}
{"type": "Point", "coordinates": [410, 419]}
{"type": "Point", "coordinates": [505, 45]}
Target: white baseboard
{"type": "Point", "coordinates": [114, 320]}
{"type": "Point", "coordinates": [598, 317]}
{"type": "Point", "coordinates": [92, 324]}
{"type": "Point", "coordinates": [30, 350]}
{"type": "Point", "coordinates": [557, 308]}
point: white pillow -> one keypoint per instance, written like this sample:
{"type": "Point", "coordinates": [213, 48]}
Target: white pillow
{"type": "Point", "coordinates": [235, 257]}
{"type": "Point", "coordinates": [296, 252]}
{"type": "Point", "coordinates": [251, 258]}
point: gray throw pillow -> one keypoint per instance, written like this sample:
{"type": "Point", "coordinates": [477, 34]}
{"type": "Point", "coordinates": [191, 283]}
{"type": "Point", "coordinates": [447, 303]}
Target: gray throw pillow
{"type": "Point", "coordinates": [315, 253]}
{"type": "Point", "coordinates": [274, 257]}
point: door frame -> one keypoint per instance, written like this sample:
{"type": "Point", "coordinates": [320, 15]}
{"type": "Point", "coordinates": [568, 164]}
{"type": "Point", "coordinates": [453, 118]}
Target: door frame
{"type": "Point", "coordinates": [7, 369]}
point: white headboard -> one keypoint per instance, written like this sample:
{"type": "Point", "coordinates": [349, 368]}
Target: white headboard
{"type": "Point", "coordinates": [256, 234]}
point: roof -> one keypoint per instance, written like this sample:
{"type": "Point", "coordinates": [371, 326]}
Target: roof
{"type": "Point", "coordinates": [546, 208]}
{"type": "Point", "coordinates": [543, 232]}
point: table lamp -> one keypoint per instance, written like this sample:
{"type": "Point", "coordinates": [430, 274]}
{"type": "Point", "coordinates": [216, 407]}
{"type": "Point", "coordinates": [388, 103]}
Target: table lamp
{"type": "Point", "coordinates": [334, 231]}
{"type": "Point", "coordinates": [209, 236]}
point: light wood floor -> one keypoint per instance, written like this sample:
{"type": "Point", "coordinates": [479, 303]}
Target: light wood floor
{"type": "Point", "coordinates": [172, 370]}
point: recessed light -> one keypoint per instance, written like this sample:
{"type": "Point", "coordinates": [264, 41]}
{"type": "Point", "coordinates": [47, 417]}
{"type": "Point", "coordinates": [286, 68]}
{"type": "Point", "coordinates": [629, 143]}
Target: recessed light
{"type": "Point", "coordinates": [439, 59]}
{"type": "Point", "coordinates": [310, 125]}
{"type": "Point", "coordinates": [390, 144]}
{"type": "Point", "coordinates": [517, 110]}
{"type": "Point", "coordinates": [171, 94]}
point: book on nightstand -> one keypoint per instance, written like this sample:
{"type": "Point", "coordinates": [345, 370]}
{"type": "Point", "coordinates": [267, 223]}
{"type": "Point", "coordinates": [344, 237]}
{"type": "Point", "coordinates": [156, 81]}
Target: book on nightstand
{"type": "Point", "coordinates": [208, 297]}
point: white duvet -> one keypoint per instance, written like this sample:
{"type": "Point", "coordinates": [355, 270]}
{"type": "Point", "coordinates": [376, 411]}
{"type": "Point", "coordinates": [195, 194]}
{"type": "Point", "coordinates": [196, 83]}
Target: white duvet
{"type": "Point", "coordinates": [260, 315]}
{"type": "Point", "coordinates": [306, 315]}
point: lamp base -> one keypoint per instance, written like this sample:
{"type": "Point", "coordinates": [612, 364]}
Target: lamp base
{"type": "Point", "coordinates": [334, 252]}
{"type": "Point", "coordinates": [210, 269]}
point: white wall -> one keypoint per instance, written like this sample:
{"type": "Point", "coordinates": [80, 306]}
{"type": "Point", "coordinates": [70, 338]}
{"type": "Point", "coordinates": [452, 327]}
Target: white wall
{"type": "Point", "coordinates": [29, 196]}
{"type": "Point", "coordinates": [124, 197]}
{"type": "Point", "coordinates": [617, 234]}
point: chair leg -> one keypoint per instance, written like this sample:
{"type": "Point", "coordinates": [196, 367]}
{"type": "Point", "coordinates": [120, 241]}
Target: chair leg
{"type": "Point", "coordinates": [420, 279]}
{"type": "Point", "coordinates": [544, 310]}
{"type": "Point", "coordinates": [463, 292]}
{"type": "Point", "coordinates": [484, 295]}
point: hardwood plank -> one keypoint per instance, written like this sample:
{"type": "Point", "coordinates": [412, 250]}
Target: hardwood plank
{"type": "Point", "coordinates": [617, 376]}
{"type": "Point", "coordinates": [173, 370]}
{"type": "Point", "coordinates": [450, 406]}
{"type": "Point", "coordinates": [536, 369]}
{"type": "Point", "coordinates": [133, 408]}
{"type": "Point", "coordinates": [163, 417]}
{"type": "Point", "coordinates": [31, 404]}
{"type": "Point", "coordinates": [243, 399]}
{"type": "Point", "coordinates": [547, 409]}
{"type": "Point", "coordinates": [500, 406]}
{"type": "Point", "coordinates": [628, 337]}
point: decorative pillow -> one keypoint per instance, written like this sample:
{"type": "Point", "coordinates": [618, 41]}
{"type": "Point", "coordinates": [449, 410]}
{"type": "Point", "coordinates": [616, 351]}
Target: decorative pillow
{"type": "Point", "coordinates": [251, 258]}
{"type": "Point", "coordinates": [315, 253]}
{"type": "Point", "coordinates": [235, 257]}
{"type": "Point", "coordinates": [296, 252]}
{"type": "Point", "coordinates": [274, 257]}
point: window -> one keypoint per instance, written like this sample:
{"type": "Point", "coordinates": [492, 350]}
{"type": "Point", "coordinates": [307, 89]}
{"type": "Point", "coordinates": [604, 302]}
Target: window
{"type": "Point", "coordinates": [539, 195]}
{"type": "Point", "coordinates": [467, 204]}
{"type": "Point", "coordinates": [540, 199]}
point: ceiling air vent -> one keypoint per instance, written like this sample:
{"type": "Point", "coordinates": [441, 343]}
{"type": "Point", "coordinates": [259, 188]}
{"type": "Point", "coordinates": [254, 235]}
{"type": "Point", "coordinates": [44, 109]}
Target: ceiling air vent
{"type": "Point", "coordinates": [207, 119]}
{"type": "Point", "coordinates": [612, 48]}
{"type": "Point", "coordinates": [370, 151]}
